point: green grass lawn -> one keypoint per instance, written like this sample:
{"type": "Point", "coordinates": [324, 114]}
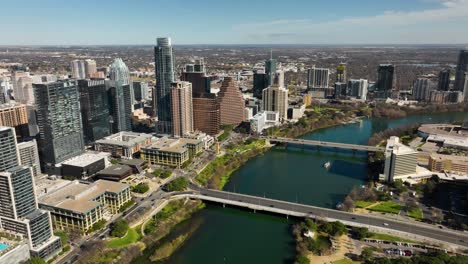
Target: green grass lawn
{"type": "Point", "coordinates": [131, 237]}
{"type": "Point", "coordinates": [363, 204]}
{"type": "Point", "coordinates": [386, 207]}
{"type": "Point", "coordinates": [390, 238]}
{"type": "Point", "coordinates": [345, 261]}
{"type": "Point", "coordinates": [416, 213]}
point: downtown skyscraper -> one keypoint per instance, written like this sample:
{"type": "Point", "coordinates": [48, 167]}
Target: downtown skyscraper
{"type": "Point", "coordinates": [461, 74]}
{"type": "Point", "coordinates": [164, 69]}
{"type": "Point", "coordinates": [59, 120]}
{"type": "Point", "coordinates": [121, 96]}
{"type": "Point", "coordinates": [182, 108]}
{"type": "Point", "coordinates": [385, 80]}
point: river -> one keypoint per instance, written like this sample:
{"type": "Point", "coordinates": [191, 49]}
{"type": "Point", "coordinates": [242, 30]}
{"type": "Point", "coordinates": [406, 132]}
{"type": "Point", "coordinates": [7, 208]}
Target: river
{"type": "Point", "coordinates": [229, 235]}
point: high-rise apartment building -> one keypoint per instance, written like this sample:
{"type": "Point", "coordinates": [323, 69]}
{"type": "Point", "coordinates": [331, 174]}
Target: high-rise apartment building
{"type": "Point", "coordinates": [94, 102]}
{"type": "Point", "coordinates": [59, 121]}
{"type": "Point", "coordinates": [140, 91]}
{"type": "Point", "coordinates": [9, 156]}
{"type": "Point", "coordinates": [461, 72]}
{"type": "Point", "coordinates": [15, 115]}
{"type": "Point", "coordinates": [358, 88]}
{"type": "Point", "coordinates": [422, 88]}
{"type": "Point", "coordinates": [90, 68]}
{"type": "Point", "coordinates": [385, 78]}
{"type": "Point", "coordinates": [196, 75]}
{"type": "Point", "coordinates": [206, 114]}
{"type": "Point", "coordinates": [182, 108]}
{"type": "Point", "coordinates": [29, 156]}
{"type": "Point", "coordinates": [78, 69]}
{"type": "Point", "coordinates": [22, 87]}
{"type": "Point", "coordinates": [318, 78]}
{"type": "Point", "coordinates": [275, 99]}
{"type": "Point", "coordinates": [164, 67]}
{"type": "Point", "coordinates": [231, 103]}
{"type": "Point", "coordinates": [341, 73]}
{"type": "Point", "coordinates": [5, 86]}
{"type": "Point", "coordinates": [19, 212]}
{"type": "Point", "coordinates": [444, 80]}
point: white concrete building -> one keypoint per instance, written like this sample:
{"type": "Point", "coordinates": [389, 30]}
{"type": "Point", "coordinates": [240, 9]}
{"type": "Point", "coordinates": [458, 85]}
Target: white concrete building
{"type": "Point", "coordinates": [275, 98]}
{"type": "Point", "coordinates": [263, 120]}
{"type": "Point", "coordinates": [400, 161]}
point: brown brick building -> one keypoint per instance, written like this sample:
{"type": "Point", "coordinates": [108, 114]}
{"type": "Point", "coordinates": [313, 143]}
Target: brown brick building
{"type": "Point", "coordinates": [231, 103]}
{"type": "Point", "coordinates": [206, 114]}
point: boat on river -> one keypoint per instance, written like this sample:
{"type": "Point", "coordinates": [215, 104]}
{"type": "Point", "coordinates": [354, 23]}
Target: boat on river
{"type": "Point", "coordinates": [327, 165]}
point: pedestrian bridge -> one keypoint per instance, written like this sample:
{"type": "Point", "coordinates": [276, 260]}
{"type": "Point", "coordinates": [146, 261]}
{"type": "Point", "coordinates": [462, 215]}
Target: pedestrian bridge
{"type": "Point", "coordinates": [318, 143]}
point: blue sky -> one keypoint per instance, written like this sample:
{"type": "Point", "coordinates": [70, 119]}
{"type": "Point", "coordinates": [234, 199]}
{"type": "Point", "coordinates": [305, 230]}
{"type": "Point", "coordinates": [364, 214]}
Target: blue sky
{"type": "Point", "coordinates": [96, 22]}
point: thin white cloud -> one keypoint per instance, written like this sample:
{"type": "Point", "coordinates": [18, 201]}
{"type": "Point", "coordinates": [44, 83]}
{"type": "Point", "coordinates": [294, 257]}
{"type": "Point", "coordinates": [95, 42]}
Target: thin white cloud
{"type": "Point", "coordinates": [446, 24]}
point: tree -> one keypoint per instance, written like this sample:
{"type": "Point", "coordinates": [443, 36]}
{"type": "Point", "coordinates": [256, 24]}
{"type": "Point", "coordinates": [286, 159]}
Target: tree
{"type": "Point", "coordinates": [140, 188]}
{"type": "Point", "coordinates": [301, 259]}
{"type": "Point", "coordinates": [367, 254]}
{"type": "Point", "coordinates": [437, 215]}
{"type": "Point", "coordinates": [348, 204]}
{"type": "Point", "coordinates": [63, 236]}
{"type": "Point", "coordinates": [35, 260]}
{"type": "Point", "coordinates": [360, 232]}
{"type": "Point", "coordinates": [334, 228]}
{"type": "Point", "coordinates": [119, 228]}
{"type": "Point", "coordinates": [178, 184]}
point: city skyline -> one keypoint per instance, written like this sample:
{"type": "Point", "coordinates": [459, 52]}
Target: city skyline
{"type": "Point", "coordinates": [357, 22]}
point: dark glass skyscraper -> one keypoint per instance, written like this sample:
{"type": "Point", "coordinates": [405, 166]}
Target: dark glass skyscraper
{"type": "Point", "coordinates": [196, 75]}
{"type": "Point", "coordinates": [94, 109]}
{"type": "Point", "coordinates": [462, 71]}
{"type": "Point", "coordinates": [59, 121]}
{"type": "Point", "coordinates": [444, 80]}
{"type": "Point", "coordinates": [270, 70]}
{"type": "Point", "coordinates": [260, 82]}
{"type": "Point", "coordinates": [120, 102]}
{"type": "Point", "coordinates": [9, 156]}
{"type": "Point", "coordinates": [164, 68]}
{"type": "Point", "coordinates": [385, 80]}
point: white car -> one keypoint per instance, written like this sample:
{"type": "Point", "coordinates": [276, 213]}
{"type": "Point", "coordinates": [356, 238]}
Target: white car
{"type": "Point", "coordinates": [385, 224]}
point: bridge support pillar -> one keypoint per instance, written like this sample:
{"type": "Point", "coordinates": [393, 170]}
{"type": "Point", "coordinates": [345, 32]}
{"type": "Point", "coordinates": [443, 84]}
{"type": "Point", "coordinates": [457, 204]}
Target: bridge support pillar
{"type": "Point", "coordinates": [287, 216]}
{"type": "Point", "coordinates": [224, 205]}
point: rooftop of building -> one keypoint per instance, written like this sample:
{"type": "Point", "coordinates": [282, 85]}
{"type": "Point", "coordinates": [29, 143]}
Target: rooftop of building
{"type": "Point", "coordinates": [444, 129]}
{"type": "Point", "coordinates": [169, 145]}
{"type": "Point", "coordinates": [11, 105]}
{"type": "Point", "coordinates": [117, 169]}
{"type": "Point", "coordinates": [458, 159]}
{"type": "Point", "coordinates": [132, 162]}
{"type": "Point", "coordinates": [125, 139]}
{"type": "Point", "coordinates": [393, 143]}
{"type": "Point", "coordinates": [78, 197]}
{"type": "Point", "coordinates": [85, 159]}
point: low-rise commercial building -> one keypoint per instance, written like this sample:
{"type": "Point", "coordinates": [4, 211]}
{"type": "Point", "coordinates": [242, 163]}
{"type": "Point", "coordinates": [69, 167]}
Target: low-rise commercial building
{"type": "Point", "coordinates": [116, 173]}
{"type": "Point", "coordinates": [171, 151]}
{"type": "Point", "coordinates": [263, 120]}
{"type": "Point", "coordinates": [84, 166]}
{"type": "Point", "coordinates": [76, 205]}
{"type": "Point", "coordinates": [448, 163]}
{"type": "Point", "coordinates": [123, 144]}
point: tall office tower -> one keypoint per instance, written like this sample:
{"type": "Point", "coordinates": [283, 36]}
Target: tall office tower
{"type": "Point", "coordinates": [260, 82]}
{"type": "Point", "coordinates": [341, 73]}
{"type": "Point", "coordinates": [22, 87]}
{"type": "Point", "coordinates": [9, 156]}
{"type": "Point", "coordinates": [44, 78]}
{"type": "Point", "coordinates": [206, 114]}
{"type": "Point", "coordinates": [90, 68]}
{"type": "Point", "coordinates": [444, 80]}
{"type": "Point", "coordinates": [140, 91]}
{"type": "Point", "coordinates": [164, 67]}
{"type": "Point", "coordinates": [29, 156]}
{"type": "Point", "coordinates": [278, 78]}
{"type": "Point", "coordinates": [182, 108]}
{"type": "Point", "coordinates": [78, 69]}
{"type": "Point", "coordinates": [196, 75]}
{"type": "Point", "coordinates": [94, 104]}
{"type": "Point", "coordinates": [275, 98]}
{"type": "Point", "coordinates": [270, 70]}
{"type": "Point", "coordinates": [358, 88]}
{"type": "Point", "coordinates": [19, 212]}
{"type": "Point", "coordinates": [118, 71]}
{"type": "Point", "coordinates": [15, 115]}
{"type": "Point", "coordinates": [4, 91]}
{"type": "Point", "coordinates": [59, 120]}
{"type": "Point", "coordinates": [461, 71]}
{"type": "Point", "coordinates": [317, 78]}
{"type": "Point", "coordinates": [231, 103]}
{"type": "Point", "coordinates": [384, 83]}
{"type": "Point", "coordinates": [422, 88]}
{"type": "Point", "coordinates": [121, 107]}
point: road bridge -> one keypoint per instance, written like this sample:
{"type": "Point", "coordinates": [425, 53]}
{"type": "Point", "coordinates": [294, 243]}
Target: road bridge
{"type": "Point", "coordinates": [427, 232]}
{"type": "Point", "coordinates": [318, 143]}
